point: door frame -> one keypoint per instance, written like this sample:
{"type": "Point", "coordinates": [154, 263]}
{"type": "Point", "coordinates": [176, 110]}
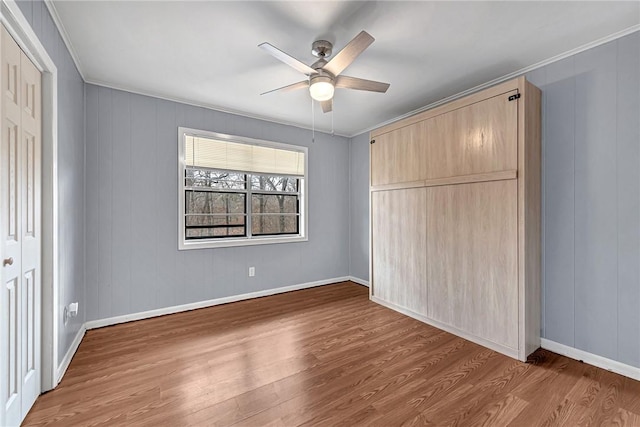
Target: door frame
{"type": "Point", "coordinates": [18, 26]}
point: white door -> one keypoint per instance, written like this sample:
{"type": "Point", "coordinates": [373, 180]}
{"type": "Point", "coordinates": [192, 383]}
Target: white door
{"type": "Point", "coordinates": [20, 191]}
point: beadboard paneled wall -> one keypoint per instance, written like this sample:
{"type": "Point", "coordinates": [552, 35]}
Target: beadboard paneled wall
{"type": "Point", "coordinates": [359, 211]}
{"type": "Point", "coordinates": [70, 170]}
{"type": "Point", "coordinates": [591, 211]}
{"type": "Point", "coordinates": [132, 261]}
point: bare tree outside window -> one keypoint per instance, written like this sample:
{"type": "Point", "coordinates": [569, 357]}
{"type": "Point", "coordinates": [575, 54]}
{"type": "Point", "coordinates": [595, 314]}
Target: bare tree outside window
{"type": "Point", "coordinates": [275, 209]}
{"type": "Point", "coordinates": [221, 204]}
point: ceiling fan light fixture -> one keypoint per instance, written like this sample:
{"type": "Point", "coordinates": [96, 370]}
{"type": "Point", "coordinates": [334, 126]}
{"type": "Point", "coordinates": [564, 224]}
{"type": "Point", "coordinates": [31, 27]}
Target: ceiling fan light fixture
{"type": "Point", "coordinates": [321, 88]}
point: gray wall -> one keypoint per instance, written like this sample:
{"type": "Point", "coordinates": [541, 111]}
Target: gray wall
{"type": "Point", "coordinates": [591, 200]}
{"type": "Point", "coordinates": [70, 169]}
{"type": "Point", "coordinates": [132, 261]}
{"type": "Point", "coordinates": [591, 205]}
{"type": "Point", "coordinates": [359, 208]}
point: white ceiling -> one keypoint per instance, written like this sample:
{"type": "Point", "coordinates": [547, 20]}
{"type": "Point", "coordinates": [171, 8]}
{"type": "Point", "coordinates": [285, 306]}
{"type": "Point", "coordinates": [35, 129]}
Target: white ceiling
{"type": "Point", "coordinates": [206, 53]}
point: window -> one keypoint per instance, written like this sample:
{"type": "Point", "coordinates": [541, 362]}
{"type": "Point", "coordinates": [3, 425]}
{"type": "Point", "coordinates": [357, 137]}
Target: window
{"type": "Point", "coordinates": [238, 191]}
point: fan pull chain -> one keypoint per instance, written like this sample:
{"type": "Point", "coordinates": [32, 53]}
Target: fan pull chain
{"type": "Point", "coordinates": [332, 111]}
{"type": "Point", "coordinates": [313, 122]}
{"type": "Point", "coordinates": [313, 117]}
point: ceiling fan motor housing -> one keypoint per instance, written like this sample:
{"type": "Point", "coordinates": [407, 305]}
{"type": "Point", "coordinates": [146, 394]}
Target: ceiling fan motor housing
{"type": "Point", "coordinates": [321, 49]}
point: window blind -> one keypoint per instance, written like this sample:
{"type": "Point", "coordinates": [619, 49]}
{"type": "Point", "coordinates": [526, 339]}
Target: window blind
{"type": "Point", "coordinates": [235, 156]}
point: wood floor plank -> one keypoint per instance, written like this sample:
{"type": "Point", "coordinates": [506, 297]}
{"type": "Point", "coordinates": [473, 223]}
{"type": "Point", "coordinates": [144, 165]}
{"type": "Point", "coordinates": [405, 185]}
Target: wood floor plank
{"type": "Point", "coordinates": [441, 386]}
{"type": "Point", "coordinates": [320, 357]}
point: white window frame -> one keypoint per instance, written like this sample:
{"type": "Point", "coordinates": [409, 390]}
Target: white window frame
{"type": "Point", "coordinates": [184, 244]}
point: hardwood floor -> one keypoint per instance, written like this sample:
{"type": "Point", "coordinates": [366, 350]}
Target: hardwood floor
{"type": "Point", "coordinates": [322, 356]}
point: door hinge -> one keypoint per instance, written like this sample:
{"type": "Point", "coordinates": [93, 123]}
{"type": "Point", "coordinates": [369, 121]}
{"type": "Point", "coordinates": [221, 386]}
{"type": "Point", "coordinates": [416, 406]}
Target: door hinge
{"type": "Point", "coordinates": [514, 97]}
{"type": "Point", "coordinates": [373, 141]}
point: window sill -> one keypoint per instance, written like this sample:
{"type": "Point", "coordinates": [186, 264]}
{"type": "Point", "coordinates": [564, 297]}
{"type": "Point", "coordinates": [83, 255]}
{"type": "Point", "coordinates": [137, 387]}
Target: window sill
{"type": "Point", "coordinates": [230, 243]}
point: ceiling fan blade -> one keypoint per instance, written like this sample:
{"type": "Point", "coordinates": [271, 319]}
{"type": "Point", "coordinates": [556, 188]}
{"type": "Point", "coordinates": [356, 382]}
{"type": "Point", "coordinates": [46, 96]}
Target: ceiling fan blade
{"type": "Point", "coordinates": [287, 59]}
{"type": "Point", "coordinates": [350, 52]}
{"type": "Point", "coordinates": [300, 85]}
{"type": "Point", "coordinates": [361, 84]}
{"type": "Point", "coordinates": [327, 105]}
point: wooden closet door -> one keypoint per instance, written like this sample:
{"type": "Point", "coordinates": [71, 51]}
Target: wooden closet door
{"type": "Point", "coordinates": [479, 138]}
{"type": "Point", "coordinates": [399, 247]}
{"type": "Point", "coordinates": [399, 156]}
{"type": "Point", "coordinates": [472, 258]}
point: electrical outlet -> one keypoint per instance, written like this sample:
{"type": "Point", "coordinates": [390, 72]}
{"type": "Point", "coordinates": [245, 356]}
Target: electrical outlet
{"type": "Point", "coordinates": [73, 309]}
{"type": "Point", "coordinates": [70, 311]}
{"type": "Point", "coordinates": [252, 271]}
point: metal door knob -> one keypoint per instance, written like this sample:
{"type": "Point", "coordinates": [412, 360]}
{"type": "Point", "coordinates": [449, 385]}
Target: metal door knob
{"type": "Point", "coordinates": [7, 261]}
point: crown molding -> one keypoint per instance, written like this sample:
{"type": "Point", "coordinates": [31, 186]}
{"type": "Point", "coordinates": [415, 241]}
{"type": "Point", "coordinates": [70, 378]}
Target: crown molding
{"type": "Point", "coordinates": [211, 107]}
{"type": "Point", "coordinates": [65, 36]}
{"type": "Point", "coordinates": [506, 77]}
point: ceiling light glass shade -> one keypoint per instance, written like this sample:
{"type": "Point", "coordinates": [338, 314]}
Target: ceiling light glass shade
{"type": "Point", "coordinates": [321, 88]}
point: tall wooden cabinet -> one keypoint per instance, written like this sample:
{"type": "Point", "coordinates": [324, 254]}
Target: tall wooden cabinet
{"type": "Point", "coordinates": [455, 217]}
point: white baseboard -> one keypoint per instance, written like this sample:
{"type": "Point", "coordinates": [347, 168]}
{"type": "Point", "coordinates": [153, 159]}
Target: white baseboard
{"type": "Point", "coordinates": [92, 324]}
{"type": "Point", "coordinates": [359, 281]}
{"type": "Point", "coordinates": [592, 359]}
{"type": "Point", "coordinates": [66, 360]}
{"type": "Point", "coordinates": [507, 351]}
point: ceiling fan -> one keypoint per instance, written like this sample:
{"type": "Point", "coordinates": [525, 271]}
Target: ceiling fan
{"type": "Point", "coordinates": [323, 76]}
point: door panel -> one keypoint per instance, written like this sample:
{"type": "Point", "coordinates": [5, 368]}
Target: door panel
{"type": "Point", "coordinates": [399, 156]}
{"type": "Point", "coordinates": [478, 138]}
{"type": "Point", "coordinates": [30, 184]}
{"type": "Point", "coordinates": [473, 254]}
{"type": "Point", "coordinates": [11, 385]}
{"type": "Point", "coordinates": [28, 323]}
{"type": "Point", "coordinates": [11, 168]}
{"type": "Point", "coordinates": [399, 247]}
